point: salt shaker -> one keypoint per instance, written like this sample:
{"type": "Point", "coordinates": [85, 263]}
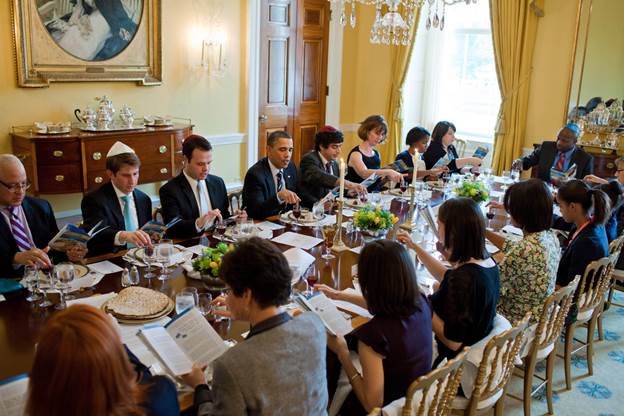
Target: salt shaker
{"type": "Point", "coordinates": [134, 277]}
{"type": "Point", "coordinates": [125, 277]}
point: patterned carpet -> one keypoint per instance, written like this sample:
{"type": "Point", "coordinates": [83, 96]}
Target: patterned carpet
{"type": "Point", "coordinates": [599, 395]}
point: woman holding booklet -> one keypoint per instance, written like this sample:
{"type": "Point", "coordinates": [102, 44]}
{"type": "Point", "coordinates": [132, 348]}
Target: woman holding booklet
{"type": "Point", "coordinates": [441, 152]}
{"type": "Point", "coordinates": [394, 347]}
{"type": "Point", "coordinates": [82, 368]}
{"type": "Point", "coordinates": [280, 367]}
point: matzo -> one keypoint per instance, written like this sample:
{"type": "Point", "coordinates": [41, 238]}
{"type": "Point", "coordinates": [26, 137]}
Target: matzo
{"type": "Point", "coordinates": [137, 302]}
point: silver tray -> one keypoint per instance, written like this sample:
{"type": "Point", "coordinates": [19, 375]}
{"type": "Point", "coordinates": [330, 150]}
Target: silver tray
{"type": "Point", "coordinates": [114, 128]}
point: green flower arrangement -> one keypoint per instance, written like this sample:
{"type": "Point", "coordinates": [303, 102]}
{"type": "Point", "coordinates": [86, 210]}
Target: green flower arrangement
{"type": "Point", "coordinates": [374, 219]}
{"type": "Point", "coordinates": [210, 261]}
{"type": "Point", "coordinates": [473, 190]}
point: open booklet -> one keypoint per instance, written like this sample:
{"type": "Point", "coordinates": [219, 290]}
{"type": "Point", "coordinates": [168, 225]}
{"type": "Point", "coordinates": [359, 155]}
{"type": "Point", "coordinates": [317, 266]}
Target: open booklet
{"type": "Point", "coordinates": [158, 227]}
{"type": "Point", "coordinates": [13, 393]}
{"type": "Point", "coordinates": [186, 339]}
{"type": "Point", "coordinates": [558, 176]}
{"type": "Point", "coordinates": [481, 152]}
{"type": "Point", "coordinates": [71, 234]}
{"type": "Point", "coordinates": [429, 216]}
{"type": "Point", "coordinates": [321, 305]}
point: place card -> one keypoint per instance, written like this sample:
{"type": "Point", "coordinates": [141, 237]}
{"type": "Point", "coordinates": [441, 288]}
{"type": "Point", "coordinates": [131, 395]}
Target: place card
{"type": "Point", "coordinates": [197, 249]}
{"type": "Point", "coordinates": [297, 240]}
{"type": "Point", "coordinates": [96, 301]}
{"type": "Point", "coordinates": [105, 267]}
{"type": "Point", "coordinates": [267, 225]}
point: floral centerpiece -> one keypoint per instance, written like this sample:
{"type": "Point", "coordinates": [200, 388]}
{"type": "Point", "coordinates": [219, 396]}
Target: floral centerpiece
{"type": "Point", "coordinates": [209, 263]}
{"type": "Point", "coordinates": [375, 221]}
{"type": "Point", "coordinates": [473, 190]}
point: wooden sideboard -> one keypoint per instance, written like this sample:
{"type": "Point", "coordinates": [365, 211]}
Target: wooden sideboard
{"type": "Point", "coordinates": [604, 160]}
{"type": "Point", "coordinates": [76, 161]}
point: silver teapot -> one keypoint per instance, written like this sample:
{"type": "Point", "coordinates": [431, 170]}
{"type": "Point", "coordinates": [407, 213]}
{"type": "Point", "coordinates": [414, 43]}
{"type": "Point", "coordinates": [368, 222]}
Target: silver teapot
{"type": "Point", "coordinates": [105, 113]}
{"type": "Point", "coordinates": [86, 116]}
{"type": "Point", "coordinates": [126, 114]}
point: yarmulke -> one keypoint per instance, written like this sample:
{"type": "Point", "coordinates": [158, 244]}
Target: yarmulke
{"type": "Point", "coordinates": [119, 148]}
{"type": "Point", "coordinates": [327, 129]}
{"type": "Point", "coordinates": [574, 128]}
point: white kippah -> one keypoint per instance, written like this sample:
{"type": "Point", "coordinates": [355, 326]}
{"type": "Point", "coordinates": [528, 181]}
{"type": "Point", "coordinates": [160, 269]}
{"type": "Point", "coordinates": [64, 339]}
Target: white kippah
{"type": "Point", "coordinates": [119, 148]}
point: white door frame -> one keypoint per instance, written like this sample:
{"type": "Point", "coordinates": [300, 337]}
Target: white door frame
{"type": "Point", "coordinates": [334, 74]}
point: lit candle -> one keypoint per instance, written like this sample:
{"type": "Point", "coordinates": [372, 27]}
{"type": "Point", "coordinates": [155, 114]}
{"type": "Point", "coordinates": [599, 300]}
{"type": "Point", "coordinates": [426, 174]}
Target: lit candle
{"type": "Point", "coordinates": [343, 168]}
{"type": "Point", "coordinates": [415, 158]}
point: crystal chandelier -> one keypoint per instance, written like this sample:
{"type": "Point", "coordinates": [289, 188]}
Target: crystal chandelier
{"type": "Point", "coordinates": [393, 27]}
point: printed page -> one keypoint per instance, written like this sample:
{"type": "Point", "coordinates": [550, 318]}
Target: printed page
{"type": "Point", "coordinates": [13, 393]}
{"type": "Point", "coordinates": [352, 307]}
{"type": "Point", "coordinates": [167, 349]}
{"type": "Point", "coordinates": [334, 321]}
{"type": "Point", "coordinates": [130, 337]}
{"type": "Point", "coordinates": [297, 240]}
{"type": "Point", "coordinates": [194, 335]}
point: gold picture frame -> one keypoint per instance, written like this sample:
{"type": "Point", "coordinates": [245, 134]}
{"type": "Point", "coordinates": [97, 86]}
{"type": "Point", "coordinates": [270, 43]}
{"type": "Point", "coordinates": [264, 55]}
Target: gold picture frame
{"type": "Point", "coordinates": [40, 58]}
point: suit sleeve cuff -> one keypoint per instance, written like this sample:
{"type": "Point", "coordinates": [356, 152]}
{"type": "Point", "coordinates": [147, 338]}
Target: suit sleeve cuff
{"type": "Point", "coordinates": [117, 241]}
{"type": "Point", "coordinates": [203, 394]}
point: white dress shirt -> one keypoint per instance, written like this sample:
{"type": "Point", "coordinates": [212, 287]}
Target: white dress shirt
{"type": "Point", "coordinates": [131, 207]}
{"type": "Point", "coordinates": [204, 189]}
{"type": "Point", "coordinates": [325, 161]}
{"type": "Point", "coordinates": [22, 216]}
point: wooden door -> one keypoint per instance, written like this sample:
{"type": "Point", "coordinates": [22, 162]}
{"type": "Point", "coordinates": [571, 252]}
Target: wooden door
{"type": "Point", "coordinates": [293, 71]}
{"type": "Point", "coordinates": [310, 73]}
{"type": "Point", "coordinates": [278, 32]}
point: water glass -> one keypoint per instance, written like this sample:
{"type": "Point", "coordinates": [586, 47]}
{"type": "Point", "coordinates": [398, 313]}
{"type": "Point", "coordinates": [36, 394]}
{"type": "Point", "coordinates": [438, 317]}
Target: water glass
{"type": "Point", "coordinates": [184, 300]}
{"type": "Point", "coordinates": [375, 198]}
{"type": "Point", "coordinates": [47, 274]}
{"type": "Point", "coordinates": [515, 175]}
{"type": "Point", "coordinates": [194, 292]}
{"type": "Point", "coordinates": [296, 213]}
{"type": "Point", "coordinates": [65, 272]}
{"type": "Point", "coordinates": [205, 307]}
{"type": "Point", "coordinates": [165, 251]}
{"type": "Point", "coordinates": [31, 278]}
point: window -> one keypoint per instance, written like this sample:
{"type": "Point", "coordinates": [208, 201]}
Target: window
{"type": "Point", "coordinates": [452, 75]}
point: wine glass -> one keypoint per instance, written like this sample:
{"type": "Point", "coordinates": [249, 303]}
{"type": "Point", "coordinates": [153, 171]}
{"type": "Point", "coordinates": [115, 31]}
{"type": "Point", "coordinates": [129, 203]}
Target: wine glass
{"type": "Point", "coordinates": [296, 212]}
{"type": "Point", "coordinates": [184, 300]}
{"type": "Point", "coordinates": [515, 175]}
{"type": "Point", "coordinates": [48, 275]}
{"type": "Point", "coordinates": [403, 186]}
{"type": "Point", "coordinates": [31, 278]}
{"type": "Point", "coordinates": [311, 277]}
{"type": "Point", "coordinates": [149, 257]}
{"type": "Point", "coordinates": [220, 228]}
{"type": "Point", "coordinates": [65, 272]}
{"type": "Point", "coordinates": [363, 196]}
{"type": "Point", "coordinates": [329, 233]}
{"type": "Point", "coordinates": [165, 251]}
{"type": "Point", "coordinates": [204, 305]}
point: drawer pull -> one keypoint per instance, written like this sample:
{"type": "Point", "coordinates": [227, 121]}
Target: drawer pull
{"type": "Point", "coordinates": [610, 165]}
{"type": "Point", "coordinates": [164, 170]}
{"type": "Point", "coordinates": [23, 156]}
{"type": "Point", "coordinates": [58, 153]}
{"type": "Point", "coordinates": [97, 156]}
{"type": "Point", "coordinates": [98, 179]}
{"type": "Point", "coordinates": [59, 178]}
{"type": "Point", "coordinates": [162, 149]}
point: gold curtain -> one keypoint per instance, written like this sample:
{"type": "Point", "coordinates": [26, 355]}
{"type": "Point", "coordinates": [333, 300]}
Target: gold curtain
{"type": "Point", "coordinates": [514, 28]}
{"type": "Point", "coordinates": [401, 57]}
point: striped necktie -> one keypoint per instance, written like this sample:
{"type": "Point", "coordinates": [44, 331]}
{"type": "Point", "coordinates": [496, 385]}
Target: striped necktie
{"type": "Point", "coordinates": [328, 168]}
{"type": "Point", "coordinates": [19, 231]}
{"type": "Point", "coordinates": [280, 185]}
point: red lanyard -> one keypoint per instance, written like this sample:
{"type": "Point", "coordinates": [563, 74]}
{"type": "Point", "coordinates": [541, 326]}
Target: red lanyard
{"type": "Point", "coordinates": [579, 230]}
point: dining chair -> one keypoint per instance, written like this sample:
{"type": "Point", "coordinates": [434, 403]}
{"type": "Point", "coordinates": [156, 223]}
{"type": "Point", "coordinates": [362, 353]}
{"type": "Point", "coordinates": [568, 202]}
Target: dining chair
{"type": "Point", "coordinates": [541, 344]}
{"type": "Point", "coordinates": [589, 299]}
{"type": "Point", "coordinates": [430, 394]}
{"type": "Point", "coordinates": [235, 199]}
{"type": "Point", "coordinates": [617, 277]}
{"type": "Point", "coordinates": [157, 214]}
{"type": "Point", "coordinates": [460, 146]}
{"type": "Point", "coordinates": [494, 372]}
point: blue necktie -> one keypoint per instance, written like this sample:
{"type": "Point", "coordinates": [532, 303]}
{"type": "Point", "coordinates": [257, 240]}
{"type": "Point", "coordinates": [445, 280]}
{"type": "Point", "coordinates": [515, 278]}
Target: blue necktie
{"type": "Point", "coordinates": [280, 185]}
{"type": "Point", "coordinates": [129, 220]}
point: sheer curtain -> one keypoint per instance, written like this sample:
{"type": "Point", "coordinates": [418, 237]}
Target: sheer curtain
{"type": "Point", "coordinates": [452, 75]}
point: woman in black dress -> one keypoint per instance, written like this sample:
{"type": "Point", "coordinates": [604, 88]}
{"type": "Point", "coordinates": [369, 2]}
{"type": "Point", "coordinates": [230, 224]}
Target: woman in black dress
{"type": "Point", "coordinates": [442, 152]}
{"type": "Point", "coordinates": [464, 305]}
{"type": "Point", "coordinates": [364, 160]}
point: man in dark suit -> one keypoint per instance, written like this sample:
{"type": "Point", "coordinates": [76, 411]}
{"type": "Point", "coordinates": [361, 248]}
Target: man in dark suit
{"type": "Point", "coordinates": [319, 170]}
{"type": "Point", "coordinates": [194, 195]}
{"type": "Point", "coordinates": [271, 184]}
{"type": "Point", "coordinates": [120, 207]}
{"type": "Point", "coordinates": [559, 155]}
{"type": "Point", "coordinates": [27, 224]}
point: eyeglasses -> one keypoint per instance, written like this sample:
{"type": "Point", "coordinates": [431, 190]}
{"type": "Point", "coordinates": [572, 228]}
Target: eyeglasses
{"type": "Point", "coordinates": [227, 291]}
{"type": "Point", "coordinates": [619, 170]}
{"type": "Point", "coordinates": [14, 187]}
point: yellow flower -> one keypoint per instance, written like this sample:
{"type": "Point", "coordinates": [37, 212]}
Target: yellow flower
{"type": "Point", "coordinates": [473, 192]}
{"type": "Point", "coordinates": [394, 219]}
{"type": "Point", "coordinates": [371, 215]}
{"type": "Point", "coordinates": [213, 265]}
{"type": "Point", "coordinates": [376, 220]}
{"type": "Point", "coordinates": [378, 209]}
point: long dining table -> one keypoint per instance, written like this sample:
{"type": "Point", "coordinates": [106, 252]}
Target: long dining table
{"type": "Point", "coordinates": [21, 321]}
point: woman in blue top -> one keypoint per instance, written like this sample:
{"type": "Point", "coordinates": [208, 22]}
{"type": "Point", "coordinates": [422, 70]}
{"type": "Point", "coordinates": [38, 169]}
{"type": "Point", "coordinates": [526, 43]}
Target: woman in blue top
{"type": "Point", "coordinates": [364, 160]}
{"type": "Point", "coordinates": [395, 345]}
{"type": "Point", "coordinates": [441, 152]}
{"type": "Point", "coordinates": [587, 209]}
{"type": "Point", "coordinates": [417, 140]}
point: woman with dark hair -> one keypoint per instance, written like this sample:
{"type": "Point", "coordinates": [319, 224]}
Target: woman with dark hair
{"type": "Point", "coordinates": [394, 347]}
{"type": "Point", "coordinates": [613, 190]}
{"type": "Point", "coordinates": [280, 367]}
{"type": "Point", "coordinates": [464, 306]}
{"type": "Point", "coordinates": [363, 160]}
{"type": "Point", "coordinates": [82, 368]}
{"type": "Point", "coordinates": [587, 209]}
{"type": "Point", "coordinates": [417, 140]}
{"type": "Point", "coordinates": [529, 266]}
{"type": "Point", "coordinates": [442, 152]}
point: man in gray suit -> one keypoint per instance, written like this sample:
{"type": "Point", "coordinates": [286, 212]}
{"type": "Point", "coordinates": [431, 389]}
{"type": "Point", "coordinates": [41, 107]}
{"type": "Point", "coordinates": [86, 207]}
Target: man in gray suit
{"type": "Point", "coordinates": [319, 170]}
{"type": "Point", "coordinates": [279, 369]}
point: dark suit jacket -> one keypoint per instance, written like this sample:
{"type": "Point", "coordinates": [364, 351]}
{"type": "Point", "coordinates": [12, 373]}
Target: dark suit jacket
{"type": "Point", "coordinates": [591, 244]}
{"type": "Point", "coordinates": [315, 181]}
{"type": "Point", "coordinates": [436, 151]}
{"type": "Point", "coordinates": [177, 199]}
{"type": "Point", "coordinates": [42, 226]}
{"type": "Point", "coordinates": [102, 204]}
{"type": "Point", "coordinates": [544, 156]}
{"type": "Point", "coordinates": [259, 193]}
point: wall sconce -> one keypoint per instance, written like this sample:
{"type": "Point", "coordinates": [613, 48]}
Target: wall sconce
{"type": "Point", "coordinates": [212, 55]}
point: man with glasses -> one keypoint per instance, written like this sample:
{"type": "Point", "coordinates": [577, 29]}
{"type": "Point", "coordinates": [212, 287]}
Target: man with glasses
{"type": "Point", "coordinates": [27, 224]}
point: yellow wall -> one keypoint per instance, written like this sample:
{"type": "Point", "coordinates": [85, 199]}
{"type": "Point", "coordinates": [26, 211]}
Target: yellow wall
{"type": "Point", "coordinates": [366, 76]}
{"type": "Point", "coordinates": [213, 103]}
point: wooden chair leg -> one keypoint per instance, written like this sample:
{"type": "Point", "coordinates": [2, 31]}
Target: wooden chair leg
{"type": "Point", "coordinates": [550, 363]}
{"type": "Point", "coordinates": [600, 333]}
{"type": "Point", "coordinates": [569, 335]}
{"type": "Point", "coordinates": [529, 370]}
{"type": "Point", "coordinates": [499, 408]}
{"type": "Point", "coordinates": [590, 344]}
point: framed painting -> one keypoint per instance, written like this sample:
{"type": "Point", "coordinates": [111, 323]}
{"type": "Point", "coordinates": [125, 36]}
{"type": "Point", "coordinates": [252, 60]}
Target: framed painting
{"type": "Point", "coordinates": [87, 40]}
